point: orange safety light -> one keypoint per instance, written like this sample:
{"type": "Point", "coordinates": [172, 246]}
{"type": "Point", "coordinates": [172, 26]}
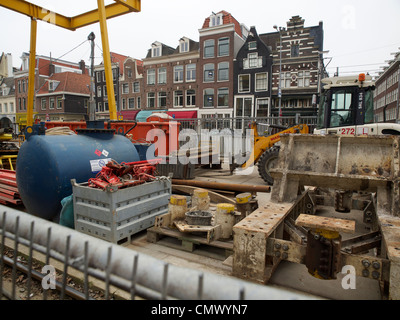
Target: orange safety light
{"type": "Point", "coordinates": [361, 77]}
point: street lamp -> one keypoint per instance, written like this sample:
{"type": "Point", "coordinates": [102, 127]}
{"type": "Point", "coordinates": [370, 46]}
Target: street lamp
{"type": "Point", "coordinates": [280, 29]}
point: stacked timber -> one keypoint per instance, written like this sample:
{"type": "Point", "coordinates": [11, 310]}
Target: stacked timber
{"type": "Point", "coordinates": [8, 188]}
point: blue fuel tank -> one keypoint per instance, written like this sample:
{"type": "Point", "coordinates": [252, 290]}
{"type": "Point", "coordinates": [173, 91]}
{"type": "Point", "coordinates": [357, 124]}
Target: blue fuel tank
{"type": "Point", "coordinates": [46, 165]}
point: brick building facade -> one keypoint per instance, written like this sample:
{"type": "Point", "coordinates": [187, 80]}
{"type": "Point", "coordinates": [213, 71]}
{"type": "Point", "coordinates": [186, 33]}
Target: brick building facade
{"type": "Point", "coordinates": [387, 91]}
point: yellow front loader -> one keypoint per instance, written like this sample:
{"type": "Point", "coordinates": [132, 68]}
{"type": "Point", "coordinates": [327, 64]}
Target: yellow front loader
{"type": "Point", "coordinates": [265, 153]}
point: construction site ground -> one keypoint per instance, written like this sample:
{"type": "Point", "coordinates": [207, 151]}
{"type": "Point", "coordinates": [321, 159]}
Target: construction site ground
{"type": "Point", "coordinates": [288, 275]}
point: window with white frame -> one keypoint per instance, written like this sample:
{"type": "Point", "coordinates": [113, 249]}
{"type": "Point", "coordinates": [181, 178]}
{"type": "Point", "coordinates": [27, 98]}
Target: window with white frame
{"type": "Point", "coordinates": [209, 72]}
{"type": "Point", "coordinates": [303, 78]}
{"type": "Point", "coordinates": [262, 107]}
{"type": "Point", "coordinates": [190, 98]}
{"type": "Point", "coordinates": [183, 45]}
{"type": "Point", "coordinates": [162, 99]}
{"type": "Point", "coordinates": [178, 98]}
{"type": "Point", "coordinates": [209, 48]}
{"type": "Point", "coordinates": [244, 83]}
{"type": "Point", "coordinates": [156, 49]}
{"type": "Point", "coordinates": [151, 100]}
{"type": "Point", "coordinates": [252, 45]}
{"type": "Point", "coordinates": [125, 88]}
{"type": "Point", "coordinates": [285, 80]}
{"type": "Point", "coordinates": [136, 87]}
{"type": "Point", "coordinates": [216, 20]}
{"type": "Point", "coordinates": [178, 74]}
{"type": "Point", "coordinates": [223, 97]}
{"type": "Point", "coordinates": [208, 98]}
{"type": "Point", "coordinates": [162, 75]}
{"type": "Point", "coordinates": [262, 81]}
{"type": "Point", "coordinates": [43, 103]}
{"type": "Point", "coordinates": [223, 47]}
{"type": "Point", "coordinates": [52, 103]}
{"type": "Point", "coordinates": [139, 102]}
{"type": "Point", "coordinates": [151, 76]}
{"type": "Point", "coordinates": [123, 104]}
{"type": "Point", "coordinates": [223, 71]}
{"type": "Point", "coordinates": [11, 106]}
{"type": "Point", "coordinates": [5, 108]}
{"type": "Point", "coordinates": [59, 102]}
{"type": "Point", "coordinates": [131, 103]}
{"type": "Point", "coordinates": [191, 72]}
{"type": "Point", "coordinates": [252, 61]}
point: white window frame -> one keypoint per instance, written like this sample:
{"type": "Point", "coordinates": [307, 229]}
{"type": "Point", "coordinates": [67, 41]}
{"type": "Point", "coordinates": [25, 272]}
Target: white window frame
{"type": "Point", "coordinates": [151, 96]}
{"type": "Point", "coordinates": [151, 76]}
{"type": "Point", "coordinates": [258, 88]}
{"type": "Point", "coordinates": [178, 73]}
{"type": "Point", "coordinates": [178, 98]}
{"type": "Point", "coordinates": [191, 72]}
{"type": "Point", "coordinates": [240, 86]}
{"type": "Point", "coordinates": [216, 20]}
{"type": "Point", "coordinates": [43, 102]}
{"type": "Point", "coordinates": [207, 44]}
{"type": "Point", "coordinates": [211, 78]}
{"type": "Point", "coordinates": [162, 75]}
{"type": "Point", "coordinates": [191, 98]}
{"type": "Point", "coordinates": [221, 69]}
{"type": "Point", "coordinates": [220, 45]}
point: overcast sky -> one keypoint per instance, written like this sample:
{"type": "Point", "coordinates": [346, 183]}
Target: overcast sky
{"type": "Point", "coordinates": [360, 35]}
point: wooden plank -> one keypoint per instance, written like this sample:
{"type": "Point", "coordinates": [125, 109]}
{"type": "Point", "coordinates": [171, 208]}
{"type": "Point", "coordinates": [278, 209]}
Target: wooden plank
{"type": "Point", "coordinates": [213, 232]}
{"type": "Point", "coordinates": [228, 245]}
{"type": "Point", "coordinates": [265, 219]}
{"type": "Point", "coordinates": [326, 223]}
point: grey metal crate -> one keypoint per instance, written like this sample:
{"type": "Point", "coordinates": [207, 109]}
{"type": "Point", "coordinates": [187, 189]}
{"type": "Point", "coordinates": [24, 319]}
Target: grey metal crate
{"type": "Point", "coordinates": [114, 216]}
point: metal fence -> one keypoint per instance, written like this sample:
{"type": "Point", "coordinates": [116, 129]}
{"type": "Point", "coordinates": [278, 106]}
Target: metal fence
{"type": "Point", "coordinates": [136, 274]}
{"type": "Point", "coordinates": [232, 136]}
{"type": "Point", "coordinates": [264, 124]}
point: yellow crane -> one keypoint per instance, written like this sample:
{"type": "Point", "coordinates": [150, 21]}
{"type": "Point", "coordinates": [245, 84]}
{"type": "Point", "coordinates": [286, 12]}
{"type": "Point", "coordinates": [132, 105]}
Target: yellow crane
{"type": "Point", "coordinates": [101, 14]}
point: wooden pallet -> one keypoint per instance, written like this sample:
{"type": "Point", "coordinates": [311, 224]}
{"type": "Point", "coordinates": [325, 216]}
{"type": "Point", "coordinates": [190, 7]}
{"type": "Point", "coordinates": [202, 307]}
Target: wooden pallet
{"type": "Point", "coordinates": [188, 240]}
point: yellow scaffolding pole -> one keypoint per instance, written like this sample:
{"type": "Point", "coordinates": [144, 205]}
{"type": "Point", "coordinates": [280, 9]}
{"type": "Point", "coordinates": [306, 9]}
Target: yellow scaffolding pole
{"type": "Point", "coordinates": [32, 67]}
{"type": "Point", "coordinates": [107, 60]}
{"type": "Point", "coordinates": [101, 14]}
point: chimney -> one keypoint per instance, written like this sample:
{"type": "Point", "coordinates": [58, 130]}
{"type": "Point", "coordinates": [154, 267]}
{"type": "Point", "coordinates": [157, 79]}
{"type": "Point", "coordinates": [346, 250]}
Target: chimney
{"type": "Point", "coordinates": [52, 69]}
{"type": "Point", "coordinates": [82, 66]}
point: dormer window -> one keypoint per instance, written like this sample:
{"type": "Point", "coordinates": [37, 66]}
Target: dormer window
{"type": "Point", "coordinates": [156, 49]}
{"type": "Point", "coordinates": [216, 19]}
{"type": "Point", "coordinates": [183, 45]}
{"type": "Point", "coordinates": [53, 85]}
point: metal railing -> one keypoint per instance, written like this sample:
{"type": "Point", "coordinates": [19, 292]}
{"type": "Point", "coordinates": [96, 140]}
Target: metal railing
{"type": "Point", "coordinates": [138, 275]}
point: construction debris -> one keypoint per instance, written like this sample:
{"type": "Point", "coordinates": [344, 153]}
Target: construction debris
{"type": "Point", "coordinates": [116, 176]}
{"type": "Point", "coordinates": [8, 188]}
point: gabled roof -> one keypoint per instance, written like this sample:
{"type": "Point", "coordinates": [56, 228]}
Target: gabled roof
{"type": "Point", "coordinates": [227, 18]}
{"type": "Point", "coordinates": [68, 82]}
{"type": "Point", "coordinates": [118, 58]}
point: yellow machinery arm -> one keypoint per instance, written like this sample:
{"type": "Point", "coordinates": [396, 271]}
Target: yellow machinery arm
{"type": "Point", "coordinates": [262, 143]}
